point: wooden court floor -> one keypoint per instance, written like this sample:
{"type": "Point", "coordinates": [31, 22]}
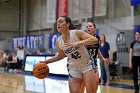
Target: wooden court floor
{"type": "Point", "coordinates": [21, 83]}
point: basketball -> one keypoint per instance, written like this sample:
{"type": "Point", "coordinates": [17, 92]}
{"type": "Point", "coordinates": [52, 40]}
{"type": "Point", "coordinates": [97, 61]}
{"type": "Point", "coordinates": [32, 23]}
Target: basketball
{"type": "Point", "coordinates": [40, 70]}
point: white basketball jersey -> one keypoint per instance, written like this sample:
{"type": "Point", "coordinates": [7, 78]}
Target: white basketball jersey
{"type": "Point", "coordinates": [77, 55]}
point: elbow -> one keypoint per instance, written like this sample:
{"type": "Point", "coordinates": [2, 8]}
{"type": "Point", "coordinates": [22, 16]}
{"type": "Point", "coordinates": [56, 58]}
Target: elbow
{"type": "Point", "coordinates": [60, 56]}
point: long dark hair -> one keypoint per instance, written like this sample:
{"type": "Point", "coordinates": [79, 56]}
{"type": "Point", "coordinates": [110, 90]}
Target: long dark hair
{"type": "Point", "coordinates": [68, 20]}
{"type": "Point", "coordinates": [92, 23]}
{"type": "Point", "coordinates": [104, 37]}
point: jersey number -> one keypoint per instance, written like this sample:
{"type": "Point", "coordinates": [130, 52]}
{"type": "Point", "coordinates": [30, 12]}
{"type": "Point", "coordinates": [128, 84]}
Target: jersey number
{"type": "Point", "coordinates": [75, 55]}
{"type": "Point", "coordinates": [92, 51]}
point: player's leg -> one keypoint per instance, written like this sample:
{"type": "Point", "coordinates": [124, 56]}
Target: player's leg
{"type": "Point", "coordinates": [97, 83]}
{"type": "Point", "coordinates": [75, 85]}
{"type": "Point", "coordinates": [83, 87]}
{"type": "Point", "coordinates": [75, 80]}
{"type": "Point", "coordinates": [97, 80]}
{"type": "Point", "coordinates": [90, 81]}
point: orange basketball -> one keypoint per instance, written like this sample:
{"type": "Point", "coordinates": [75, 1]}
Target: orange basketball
{"type": "Point", "coordinates": [41, 70]}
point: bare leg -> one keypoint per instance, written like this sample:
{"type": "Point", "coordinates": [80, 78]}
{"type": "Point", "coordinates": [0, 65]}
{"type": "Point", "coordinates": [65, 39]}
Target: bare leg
{"type": "Point", "coordinates": [90, 81]}
{"type": "Point", "coordinates": [83, 87]}
{"type": "Point", "coordinates": [75, 85]}
{"type": "Point", "coordinates": [97, 80]}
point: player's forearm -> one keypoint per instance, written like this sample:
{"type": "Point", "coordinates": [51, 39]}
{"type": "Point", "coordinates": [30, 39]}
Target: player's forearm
{"type": "Point", "coordinates": [89, 41]}
{"type": "Point", "coordinates": [54, 59]}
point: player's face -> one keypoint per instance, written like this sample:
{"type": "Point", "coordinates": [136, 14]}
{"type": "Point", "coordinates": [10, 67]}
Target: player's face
{"type": "Point", "coordinates": [90, 28]}
{"type": "Point", "coordinates": [61, 24]}
{"type": "Point", "coordinates": [137, 35]}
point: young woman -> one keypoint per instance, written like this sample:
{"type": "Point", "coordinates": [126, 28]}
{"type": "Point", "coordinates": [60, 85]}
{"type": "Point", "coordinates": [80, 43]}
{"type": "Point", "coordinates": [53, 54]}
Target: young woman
{"type": "Point", "coordinates": [94, 50]}
{"type": "Point", "coordinates": [105, 50]}
{"type": "Point", "coordinates": [134, 59]}
{"type": "Point", "coordinates": [72, 43]}
{"type": "Point", "coordinates": [20, 55]}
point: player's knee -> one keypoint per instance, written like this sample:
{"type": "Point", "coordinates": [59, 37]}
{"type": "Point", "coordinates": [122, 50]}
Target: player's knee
{"type": "Point", "coordinates": [91, 91]}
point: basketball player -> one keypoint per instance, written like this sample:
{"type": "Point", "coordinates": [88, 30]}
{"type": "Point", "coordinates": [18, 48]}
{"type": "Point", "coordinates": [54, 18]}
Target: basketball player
{"type": "Point", "coordinates": [94, 50]}
{"type": "Point", "coordinates": [80, 66]}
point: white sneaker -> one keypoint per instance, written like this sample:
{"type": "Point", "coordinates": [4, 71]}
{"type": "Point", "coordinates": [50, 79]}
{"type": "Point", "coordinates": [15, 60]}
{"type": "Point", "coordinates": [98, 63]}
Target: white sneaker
{"type": "Point", "coordinates": [107, 83]}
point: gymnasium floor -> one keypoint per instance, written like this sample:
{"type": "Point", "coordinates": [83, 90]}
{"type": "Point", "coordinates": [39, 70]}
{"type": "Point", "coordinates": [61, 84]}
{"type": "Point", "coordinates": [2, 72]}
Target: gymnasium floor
{"type": "Point", "coordinates": [21, 83]}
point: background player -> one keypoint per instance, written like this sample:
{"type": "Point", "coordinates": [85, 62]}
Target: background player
{"type": "Point", "coordinates": [94, 49]}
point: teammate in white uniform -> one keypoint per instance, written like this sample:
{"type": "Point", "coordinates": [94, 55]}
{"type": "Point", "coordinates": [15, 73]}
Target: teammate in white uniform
{"type": "Point", "coordinates": [71, 44]}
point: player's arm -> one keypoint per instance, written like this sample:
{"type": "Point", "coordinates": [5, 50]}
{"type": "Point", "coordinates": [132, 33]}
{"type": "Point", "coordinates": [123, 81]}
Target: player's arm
{"type": "Point", "coordinates": [85, 38]}
{"type": "Point", "coordinates": [58, 57]}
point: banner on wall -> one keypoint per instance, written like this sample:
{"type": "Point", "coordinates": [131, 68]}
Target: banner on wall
{"type": "Point", "coordinates": [73, 9]}
{"type": "Point", "coordinates": [135, 2]}
{"type": "Point", "coordinates": [100, 7]}
{"type": "Point", "coordinates": [78, 9]}
{"type": "Point", "coordinates": [51, 11]}
{"type": "Point", "coordinates": [29, 42]}
{"type": "Point", "coordinates": [86, 8]}
{"type": "Point", "coordinates": [19, 40]}
{"type": "Point", "coordinates": [52, 41]}
{"type": "Point", "coordinates": [62, 8]}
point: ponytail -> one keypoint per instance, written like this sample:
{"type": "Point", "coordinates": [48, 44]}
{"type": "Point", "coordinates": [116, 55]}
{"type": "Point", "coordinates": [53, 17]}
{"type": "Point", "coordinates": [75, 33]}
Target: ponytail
{"type": "Point", "coordinates": [71, 26]}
